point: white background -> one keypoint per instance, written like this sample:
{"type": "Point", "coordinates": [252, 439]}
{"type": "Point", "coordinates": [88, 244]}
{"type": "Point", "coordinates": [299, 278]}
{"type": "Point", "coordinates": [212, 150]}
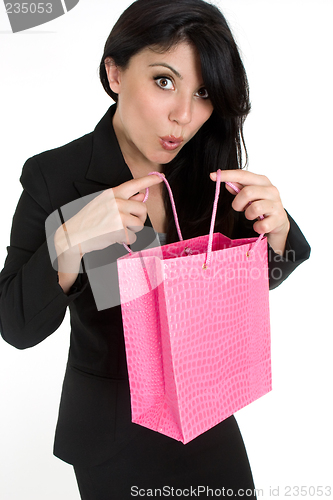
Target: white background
{"type": "Point", "coordinates": [50, 95]}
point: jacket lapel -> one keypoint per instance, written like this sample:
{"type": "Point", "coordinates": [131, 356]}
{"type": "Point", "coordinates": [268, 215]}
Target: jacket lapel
{"type": "Point", "coordinates": [107, 167]}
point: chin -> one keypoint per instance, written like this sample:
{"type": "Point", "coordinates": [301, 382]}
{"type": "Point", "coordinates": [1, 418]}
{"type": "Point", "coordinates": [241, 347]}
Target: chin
{"type": "Point", "coordinates": [164, 157]}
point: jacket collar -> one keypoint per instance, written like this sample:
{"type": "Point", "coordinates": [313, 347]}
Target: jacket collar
{"type": "Point", "coordinates": [107, 167]}
{"type": "Point", "coordinates": [107, 164]}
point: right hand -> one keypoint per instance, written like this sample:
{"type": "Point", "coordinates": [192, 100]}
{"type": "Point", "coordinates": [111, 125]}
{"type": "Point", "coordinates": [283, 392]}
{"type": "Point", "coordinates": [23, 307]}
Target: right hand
{"type": "Point", "coordinates": [114, 216]}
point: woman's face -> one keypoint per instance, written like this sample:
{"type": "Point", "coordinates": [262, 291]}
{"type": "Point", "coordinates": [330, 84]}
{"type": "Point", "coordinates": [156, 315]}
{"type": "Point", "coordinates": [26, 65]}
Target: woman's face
{"type": "Point", "coordinates": [162, 103]}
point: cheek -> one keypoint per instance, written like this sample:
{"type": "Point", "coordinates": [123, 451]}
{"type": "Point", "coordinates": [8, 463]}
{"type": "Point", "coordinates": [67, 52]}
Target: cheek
{"type": "Point", "coordinates": [151, 108]}
{"type": "Point", "coordinates": [207, 112]}
{"type": "Point", "coordinates": [141, 109]}
{"type": "Point", "coordinates": [203, 115]}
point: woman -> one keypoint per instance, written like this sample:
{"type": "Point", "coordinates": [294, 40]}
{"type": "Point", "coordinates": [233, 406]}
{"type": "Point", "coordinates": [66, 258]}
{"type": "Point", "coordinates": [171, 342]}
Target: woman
{"type": "Point", "coordinates": [181, 99]}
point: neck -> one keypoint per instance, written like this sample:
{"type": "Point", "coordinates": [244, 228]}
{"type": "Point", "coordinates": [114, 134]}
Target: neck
{"type": "Point", "coordinates": [136, 162]}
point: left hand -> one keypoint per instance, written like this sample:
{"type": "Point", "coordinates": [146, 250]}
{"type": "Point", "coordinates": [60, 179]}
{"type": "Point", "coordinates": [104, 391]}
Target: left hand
{"type": "Point", "coordinates": [265, 200]}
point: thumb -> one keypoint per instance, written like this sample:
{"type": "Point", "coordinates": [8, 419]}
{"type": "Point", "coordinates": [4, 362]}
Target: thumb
{"type": "Point", "coordinates": [137, 197]}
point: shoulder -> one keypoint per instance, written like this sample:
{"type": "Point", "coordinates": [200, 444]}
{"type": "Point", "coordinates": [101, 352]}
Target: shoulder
{"type": "Point", "coordinates": [52, 177]}
{"type": "Point", "coordinates": [60, 162]}
{"type": "Point", "coordinates": [50, 174]}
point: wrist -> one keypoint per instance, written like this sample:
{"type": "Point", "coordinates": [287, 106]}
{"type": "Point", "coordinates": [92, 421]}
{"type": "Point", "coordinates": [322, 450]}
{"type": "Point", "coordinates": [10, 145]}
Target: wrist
{"type": "Point", "coordinates": [69, 257]}
{"type": "Point", "coordinates": [277, 240]}
{"type": "Point", "coordinates": [61, 241]}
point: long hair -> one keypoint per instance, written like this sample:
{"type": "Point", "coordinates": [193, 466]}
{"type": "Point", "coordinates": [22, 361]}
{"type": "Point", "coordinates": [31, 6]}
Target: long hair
{"type": "Point", "coordinates": [219, 142]}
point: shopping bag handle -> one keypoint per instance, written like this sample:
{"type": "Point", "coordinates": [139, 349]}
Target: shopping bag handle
{"type": "Point", "coordinates": [172, 204]}
{"type": "Point", "coordinates": [212, 223]}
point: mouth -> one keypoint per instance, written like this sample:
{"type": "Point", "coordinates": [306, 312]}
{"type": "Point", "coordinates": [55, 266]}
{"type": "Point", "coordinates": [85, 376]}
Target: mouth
{"type": "Point", "coordinates": [170, 142]}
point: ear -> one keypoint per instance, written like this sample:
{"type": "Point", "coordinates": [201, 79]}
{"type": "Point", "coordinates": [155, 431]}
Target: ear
{"type": "Point", "coordinates": [113, 74]}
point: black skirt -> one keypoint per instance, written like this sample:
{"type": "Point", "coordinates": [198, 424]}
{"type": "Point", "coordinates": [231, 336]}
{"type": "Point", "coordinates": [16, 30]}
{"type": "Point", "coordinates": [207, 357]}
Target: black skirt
{"type": "Point", "coordinates": [152, 465]}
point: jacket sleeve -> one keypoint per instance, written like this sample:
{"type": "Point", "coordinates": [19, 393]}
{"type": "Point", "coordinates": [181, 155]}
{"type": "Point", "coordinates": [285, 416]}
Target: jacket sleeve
{"type": "Point", "coordinates": [32, 303]}
{"type": "Point", "coordinates": [279, 266]}
{"type": "Point", "coordinates": [297, 251]}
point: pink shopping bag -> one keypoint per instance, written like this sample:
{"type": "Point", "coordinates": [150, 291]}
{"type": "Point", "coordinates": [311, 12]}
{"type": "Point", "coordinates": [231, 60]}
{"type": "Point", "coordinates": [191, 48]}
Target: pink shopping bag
{"type": "Point", "coordinates": [197, 332]}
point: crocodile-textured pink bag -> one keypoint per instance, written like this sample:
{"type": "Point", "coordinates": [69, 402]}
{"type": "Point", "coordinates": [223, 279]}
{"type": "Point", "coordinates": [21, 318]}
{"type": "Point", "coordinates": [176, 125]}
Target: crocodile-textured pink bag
{"type": "Point", "coordinates": [197, 332]}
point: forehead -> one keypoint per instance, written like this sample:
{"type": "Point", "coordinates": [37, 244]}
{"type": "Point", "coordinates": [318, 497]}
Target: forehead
{"type": "Point", "coordinates": [182, 55]}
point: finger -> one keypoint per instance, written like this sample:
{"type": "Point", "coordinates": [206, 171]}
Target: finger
{"type": "Point", "coordinates": [137, 197]}
{"type": "Point", "coordinates": [250, 194]}
{"type": "Point", "coordinates": [133, 223]}
{"type": "Point", "coordinates": [244, 177]}
{"type": "Point", "coordinates": [258, 209]}
{"type": "Point", "coordinates": [273, 212]}
{"type": "Point", "coordinates": [233, 191]}
{"type": "Point", "coordinates": [266, 226]}
{"type": "Point", "coordinates": [132, 187]}
{"type": "Point", "coordinates": [132, 208]}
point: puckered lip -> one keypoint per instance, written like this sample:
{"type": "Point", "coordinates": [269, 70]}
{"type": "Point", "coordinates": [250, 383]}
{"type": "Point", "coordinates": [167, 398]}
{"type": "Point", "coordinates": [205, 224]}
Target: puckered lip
{"type": "Point", "coordinates": [170, 142]}
{"type": "Point", "coordinates": [172, 138]}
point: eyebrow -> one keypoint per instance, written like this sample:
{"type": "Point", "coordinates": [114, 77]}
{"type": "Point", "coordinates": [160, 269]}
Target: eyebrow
{"type": "Point", "coordinates": [165, 65]}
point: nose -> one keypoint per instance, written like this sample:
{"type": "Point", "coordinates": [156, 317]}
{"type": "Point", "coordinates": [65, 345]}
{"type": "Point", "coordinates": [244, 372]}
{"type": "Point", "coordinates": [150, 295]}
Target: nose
{"type": "Point", "coordinates": [181, 111]}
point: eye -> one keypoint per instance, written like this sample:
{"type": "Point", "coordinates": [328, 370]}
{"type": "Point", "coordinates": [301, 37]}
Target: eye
{"type": "Point", "coordinates": [203, 93]}
{"type": "Point", "coordinates": [164, 83]}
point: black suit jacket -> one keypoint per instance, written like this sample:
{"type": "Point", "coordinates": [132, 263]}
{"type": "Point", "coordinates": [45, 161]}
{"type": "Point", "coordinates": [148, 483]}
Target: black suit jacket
{"type": "Point", "coordinates": [94, 417]}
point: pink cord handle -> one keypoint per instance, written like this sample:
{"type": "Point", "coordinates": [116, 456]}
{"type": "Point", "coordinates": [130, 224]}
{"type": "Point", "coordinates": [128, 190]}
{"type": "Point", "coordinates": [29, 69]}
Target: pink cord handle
{"type": "Point", "coordinates": [171, 199]}
{"type": "Point", "coordinates": [212, 224]}
{"type": "Point", "coordinates": [172, 204]}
